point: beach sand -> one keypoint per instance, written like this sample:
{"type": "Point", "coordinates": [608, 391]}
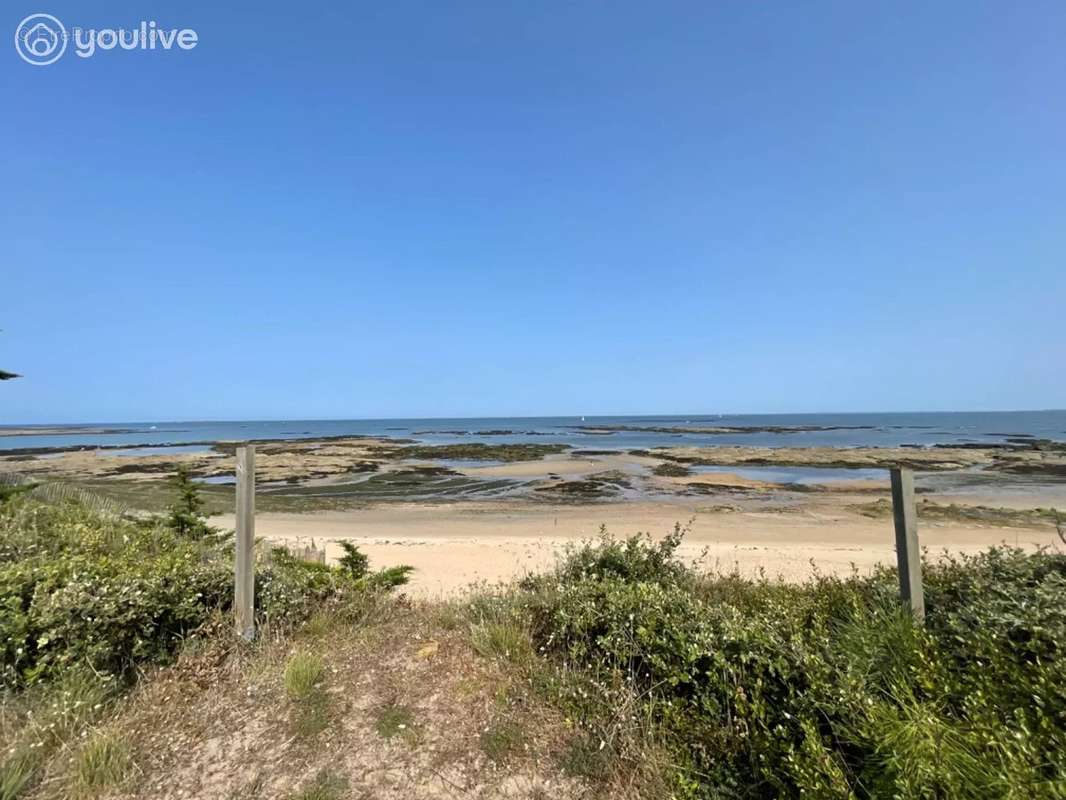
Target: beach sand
{"type": "Point", "coordinates": [452, 545]}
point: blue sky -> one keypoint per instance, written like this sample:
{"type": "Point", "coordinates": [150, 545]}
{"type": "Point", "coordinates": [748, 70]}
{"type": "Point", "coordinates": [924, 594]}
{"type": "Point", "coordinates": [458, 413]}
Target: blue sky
{"type": "Point", "coordinates": [443, 209]}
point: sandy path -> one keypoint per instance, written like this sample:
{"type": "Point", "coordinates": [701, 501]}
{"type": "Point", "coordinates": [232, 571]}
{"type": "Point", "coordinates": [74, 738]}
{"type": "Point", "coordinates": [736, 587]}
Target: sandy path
{"type": "Point", "coordinates": [453, 545]}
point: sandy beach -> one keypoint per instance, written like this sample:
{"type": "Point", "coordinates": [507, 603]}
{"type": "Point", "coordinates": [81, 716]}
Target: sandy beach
{"type": "Point", "coordinates": [487, 512]}
{"type": "Point", "coordinates": [455, 544]}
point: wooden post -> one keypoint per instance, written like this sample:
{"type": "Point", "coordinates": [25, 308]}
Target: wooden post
{"type": "Point", "coordinates": [908, 556]}
{"type": "Point", "coordinates": [244, 562]}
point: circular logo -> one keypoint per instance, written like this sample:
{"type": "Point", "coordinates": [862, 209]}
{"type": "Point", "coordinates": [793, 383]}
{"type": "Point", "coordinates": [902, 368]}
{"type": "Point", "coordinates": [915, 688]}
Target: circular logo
{"type": "Point", "coordinates": [40, 39]}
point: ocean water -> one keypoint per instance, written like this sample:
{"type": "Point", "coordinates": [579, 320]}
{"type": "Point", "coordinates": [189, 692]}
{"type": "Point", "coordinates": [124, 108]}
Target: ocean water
{"type": "Point", "coordinates": [846, 430]}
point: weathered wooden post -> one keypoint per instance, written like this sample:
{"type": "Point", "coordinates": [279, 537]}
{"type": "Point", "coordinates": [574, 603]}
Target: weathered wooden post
{"type": "Point", "coordinates": [244, 562]}
{"type": "Point", "coordinates": [908, 556]}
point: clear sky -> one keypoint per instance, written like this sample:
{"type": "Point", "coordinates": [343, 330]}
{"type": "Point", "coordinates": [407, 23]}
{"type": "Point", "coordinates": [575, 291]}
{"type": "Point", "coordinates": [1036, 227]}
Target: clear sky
{"type": "Point", "coordinates": [500, 208]}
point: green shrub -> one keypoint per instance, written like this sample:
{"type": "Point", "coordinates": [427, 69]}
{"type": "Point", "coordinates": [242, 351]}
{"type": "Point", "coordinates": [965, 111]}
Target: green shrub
{"type": "Point", "coordinates": [10, 490]}
{"type": "Point", "coordinates": [354, 561]}
{"type": "Point", "coordinates": [79, 587]}
{"type": "Point", "coordinates": [355, 564]}
{"type": "Point", "coordinates": [185, 516]}
{"type": "Point", "coordinates": [389, 578]}
{"type": "Point", "coordinates": [637, 558]}
{"type": "Point", "coordinates": [828, 689]}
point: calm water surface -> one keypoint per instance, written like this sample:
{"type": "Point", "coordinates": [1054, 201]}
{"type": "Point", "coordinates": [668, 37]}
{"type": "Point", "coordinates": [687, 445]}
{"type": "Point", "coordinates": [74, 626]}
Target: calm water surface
{"type": "Point", "coordinates": [881, 430]}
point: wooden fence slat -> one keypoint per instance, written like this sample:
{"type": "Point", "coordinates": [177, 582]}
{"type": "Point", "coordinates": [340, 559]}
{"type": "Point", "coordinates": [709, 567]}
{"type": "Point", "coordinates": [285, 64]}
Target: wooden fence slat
{"type": "Point", "coordinates": [244, 560]}
{"type": "Point", "coordinates": [908, 554]}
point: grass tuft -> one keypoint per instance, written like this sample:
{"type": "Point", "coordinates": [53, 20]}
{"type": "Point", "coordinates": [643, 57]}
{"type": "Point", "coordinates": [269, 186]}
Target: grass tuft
{"type": "Point", "coordinates": [587, 757]}
{"type": "Point", "coordinates": [16, 772]}
{"type": "Point", "coordinates": [302, 675]}
{"type": "Point", "coordinates": [303, 682]}
{"type": "Point", "coordinates": [501, 740]}
{"type": "Point", "coordinates": [103, 763]}
{"type": "Point", "coordinates": [326, 785]}
{"type": "Point", "coordinates": [395, 720]}
{"type": "Point", "coordinates": [502, 640]}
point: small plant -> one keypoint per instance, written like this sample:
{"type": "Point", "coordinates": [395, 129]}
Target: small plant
{"type": "Point", "coordinates": [10, 490]}
{"type": "Point", "coordinates": [303, 683]}
{"type": "Point", "coordinates": [389, 578]}
{"type": "Point", "coordinates": [17, 772]}
{"type": "Point", "coordinates": [103, 763]}
{"type": "Point", "coordinates": [311, 715]}
{"type": "Point", "coordinates": [501, 740]}
{"type": "Point", "coordinates": [302, 675]}
{"type": "Point", "coordinates": [355, 565]}
{"type": "Point", "coordinates": [319, 624]}
{"type": "Point", "coordinates": [503, 640]}
{"type": "Point", "coordinates": [354, 562]}
{"type": "Point", "coordinates": [395, 720]}
{"type": "Point", "coordinates": [326, 785]}
{"type": "Point", "coordinates": [587, 756]}
{"type": "Point", "coordinates": [186, 517]}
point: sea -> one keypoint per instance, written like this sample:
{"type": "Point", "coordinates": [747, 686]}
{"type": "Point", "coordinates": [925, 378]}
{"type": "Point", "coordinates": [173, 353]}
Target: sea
{"type": "Point", "coordinates": [820, 430]}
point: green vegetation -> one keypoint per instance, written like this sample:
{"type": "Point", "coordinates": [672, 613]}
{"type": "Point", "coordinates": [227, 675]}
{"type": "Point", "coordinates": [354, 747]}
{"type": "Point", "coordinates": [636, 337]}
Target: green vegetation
{"type": "Point", "coordinates": [89, 598]}
{"type": "Point", "coordinates": [354, 562]}
{"type": "Point", "coordinates": [502, 739]}
{"type": "Point", "coordinates": [828, 689]}
{"type": "Point", "coordinates": [395, 720]}
{"type": "Point", "coordinates": [186, 516]}
{"type": "Point", "coordinates": [355, 565]}
{"type": "Point", "coordinates": [9, 490]}
{"type": "Point", "coordinates": [101, 764]}
{"type": "Point", "coordinates": [302, 674]}
{"type": "Point", "coordinates": [326, 785]}
{"type": "Point", "coordinates": [635, 669]}
{"type": "Point", "coordinates": [503, 640]}
{"type": "Point", "coordinates": [304, 684]}
{"type": "Point", "coordinates": [80, 588]}
{"type": "Point", "coordinates": [107, 593]}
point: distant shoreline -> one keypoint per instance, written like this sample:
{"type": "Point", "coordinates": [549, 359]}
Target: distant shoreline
{"type": "Point", "coordinates": [968, 429]}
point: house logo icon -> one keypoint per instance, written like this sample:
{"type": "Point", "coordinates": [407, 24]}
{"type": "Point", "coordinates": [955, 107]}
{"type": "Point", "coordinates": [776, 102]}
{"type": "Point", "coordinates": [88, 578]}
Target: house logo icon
{"type": "Point", "coordinates": [40, 39]}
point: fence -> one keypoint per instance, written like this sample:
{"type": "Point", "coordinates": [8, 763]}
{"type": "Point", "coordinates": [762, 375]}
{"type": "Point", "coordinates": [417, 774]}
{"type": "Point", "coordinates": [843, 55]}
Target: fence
{"type": "Point", "coordinates": [908, 555]}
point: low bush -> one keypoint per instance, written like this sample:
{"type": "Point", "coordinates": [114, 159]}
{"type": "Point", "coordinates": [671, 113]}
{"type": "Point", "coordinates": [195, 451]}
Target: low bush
{"type": "Point", "coordinates": [88, 597]}
{"type": "Point", "coordinates": [827, 689]}
{"type": "Point", "coordinates": [79, 587]}
{"type": "Point", "coordinates": [356, 565]}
